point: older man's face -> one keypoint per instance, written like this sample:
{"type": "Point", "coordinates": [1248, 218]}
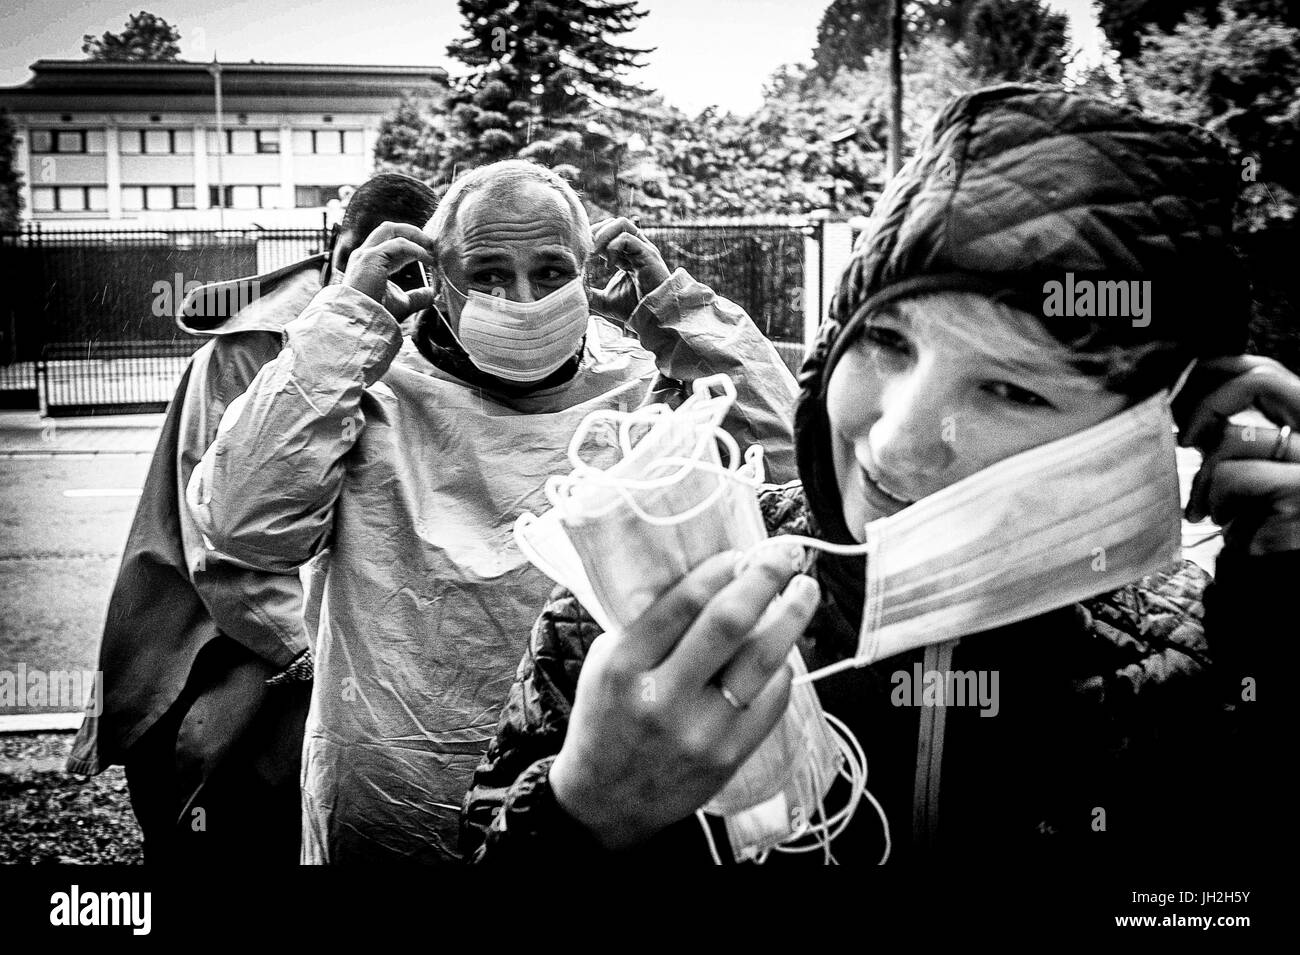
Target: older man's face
{"type": "Point", "coordinates": [522, 245]}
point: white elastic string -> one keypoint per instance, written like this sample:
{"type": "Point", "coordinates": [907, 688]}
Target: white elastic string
{"type": "Point", "coordinates": [708, 836]}
{"type": "Point", "coordinates": [855, 771]}
{"type": "Point", "coordinates": [1182, 380]}
{"type": "Point", "coordinates": [560, 489]}
{"type": "Point", "coordinates": [531, 554]}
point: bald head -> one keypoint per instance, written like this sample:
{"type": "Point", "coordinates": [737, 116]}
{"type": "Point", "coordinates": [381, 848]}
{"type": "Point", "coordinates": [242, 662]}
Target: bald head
{"type": "Point", "coordinates": [515, 188]}
{"type": "Point", "coordinates": [513, 229]}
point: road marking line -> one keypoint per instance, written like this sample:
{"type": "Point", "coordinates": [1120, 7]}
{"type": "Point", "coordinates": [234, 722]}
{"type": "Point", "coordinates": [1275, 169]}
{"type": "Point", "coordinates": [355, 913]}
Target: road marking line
{"type": "Point", "coordinates": [103, 492]}
{"type": "Point", "coordinates": [41, 722]}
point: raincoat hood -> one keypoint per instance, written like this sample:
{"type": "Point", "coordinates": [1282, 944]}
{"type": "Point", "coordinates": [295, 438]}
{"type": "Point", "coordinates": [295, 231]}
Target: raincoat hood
{"type": "Point", "coordinates": [1016, 186]}
{"type": "Point", "coordinates": [263, 302]}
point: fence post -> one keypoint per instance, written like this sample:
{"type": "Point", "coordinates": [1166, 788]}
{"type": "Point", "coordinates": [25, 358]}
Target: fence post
{"type": "Point", "coordinates": [812, 281]}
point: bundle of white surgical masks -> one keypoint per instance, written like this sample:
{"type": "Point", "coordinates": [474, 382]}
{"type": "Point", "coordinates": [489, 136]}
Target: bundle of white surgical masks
{"type": "Point", "coordinates": [619, 537]}
{"type": "Point", "coordinates": [1051, 526]}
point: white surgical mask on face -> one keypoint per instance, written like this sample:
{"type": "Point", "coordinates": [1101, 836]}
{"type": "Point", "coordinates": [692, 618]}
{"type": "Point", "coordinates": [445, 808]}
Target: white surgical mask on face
{"type": "Point", "coordinates": [522, 341]}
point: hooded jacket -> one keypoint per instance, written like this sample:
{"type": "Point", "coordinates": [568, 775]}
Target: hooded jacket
{"type": "Point", "coordinates": [169, 600]}
{"type": "Point", "coordinates": [352, 440]}
{"type": "Point", "coordinates": [1110, 712]}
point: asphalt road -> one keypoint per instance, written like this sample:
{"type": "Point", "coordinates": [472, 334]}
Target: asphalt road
{"type": "Point", "coordinates": [63, 522]}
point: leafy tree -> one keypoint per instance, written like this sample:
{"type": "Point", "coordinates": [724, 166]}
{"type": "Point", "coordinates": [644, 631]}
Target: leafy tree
{"type": "Point", "coordinates": [1016, 40]}
{"type": "Point", "coordinates": [11, 179]}
{"type": "Point", "coordinates": [780, 159]}
{"type": "Point", "coordinates": [145, 38]}
{"type": "Point", "coordinates": [1125, 21]}
{"type": "Point", "coordinates": [1240, 77]}
{"type": "Point", "coordinates": [850, 29]}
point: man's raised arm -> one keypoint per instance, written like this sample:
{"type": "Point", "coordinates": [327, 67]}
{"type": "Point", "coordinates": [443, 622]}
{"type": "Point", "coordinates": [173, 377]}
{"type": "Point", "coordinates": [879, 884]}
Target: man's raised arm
{"type": "Point", "coordinates": [264, 492]}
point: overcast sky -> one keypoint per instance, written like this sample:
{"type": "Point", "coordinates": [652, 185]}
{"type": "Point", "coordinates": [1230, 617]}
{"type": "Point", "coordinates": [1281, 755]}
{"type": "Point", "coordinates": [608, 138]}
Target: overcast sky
{"type": "Point", "coordinates": [707, 51]}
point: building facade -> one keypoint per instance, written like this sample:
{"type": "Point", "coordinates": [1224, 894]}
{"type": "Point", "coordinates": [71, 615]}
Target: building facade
{"type": "Point", "coordinates": [126, 145]}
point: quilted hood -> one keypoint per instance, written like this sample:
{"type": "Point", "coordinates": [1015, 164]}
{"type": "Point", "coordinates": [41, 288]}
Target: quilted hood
{"type": "Point", "coordinates": [1013, 187]}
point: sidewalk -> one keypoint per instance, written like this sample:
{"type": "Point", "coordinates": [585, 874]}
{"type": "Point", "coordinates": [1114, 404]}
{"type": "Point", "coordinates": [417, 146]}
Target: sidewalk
{"type": "Point", "coordinates": [26, 432]}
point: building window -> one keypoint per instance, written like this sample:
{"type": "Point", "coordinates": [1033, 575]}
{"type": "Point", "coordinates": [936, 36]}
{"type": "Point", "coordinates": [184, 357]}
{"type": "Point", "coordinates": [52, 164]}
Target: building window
{"type": "Point", "coordinates": [314, 197]}
{"type": "Point", "coordinates": [245, 197]}
{"type": "Point", "coordinates": [96, 141]}
{"type": "Point", "coordinates": [249, 142]}
{"type": "Point", "coordinates": [156, 142]}
{"type": "Point", "coordinates": [59, 140]}
{"type": "Point", "coordinates": [157, 198]}
{"type": "Point", "coordinates": [69, 199]}
{"type": "Point", "coordinates": [327, 142]}
{"type": "Point", "coordinates": [70, 141]}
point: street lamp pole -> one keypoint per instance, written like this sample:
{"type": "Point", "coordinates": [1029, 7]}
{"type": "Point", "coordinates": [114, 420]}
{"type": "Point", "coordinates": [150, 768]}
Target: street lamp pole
{"type": "Point", "coordinates": [215, 70]}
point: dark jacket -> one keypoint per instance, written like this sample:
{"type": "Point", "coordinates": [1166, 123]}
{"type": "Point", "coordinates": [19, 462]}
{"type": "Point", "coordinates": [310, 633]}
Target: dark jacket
{"type": "Point", "coordinates": [169, 600]}
{"type": "Point", "coordinates": [1107, 705]}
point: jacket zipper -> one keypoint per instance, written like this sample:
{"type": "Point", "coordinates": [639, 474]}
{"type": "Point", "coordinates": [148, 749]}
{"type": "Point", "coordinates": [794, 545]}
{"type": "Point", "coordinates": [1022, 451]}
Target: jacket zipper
{"type": "Point", "coordinates": [929, 751]}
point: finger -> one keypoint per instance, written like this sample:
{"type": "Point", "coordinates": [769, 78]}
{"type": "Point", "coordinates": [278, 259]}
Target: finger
{"type": "Point", "coordinates": [1266, 385]}
{"type": "Point", "coordinates": [394, 230]}
{"type": "Point", "coordinates": [1276, 537]}
{"type": "Point", "coordinates": [729, 619]}
{"type": "Point", "coordinates": [421, 298]}
{"type": "Point", "coordinates": [745, 729]}
{"type": "Point", "coordinates": [1245, 442]}
{"type": "Point", "coordinates": [605, 232]}
{"type": "Point", "coordinates": [394, 254]}
{"type": "Point", "coordinates": [760, 657]}
{"type": "Point", "coordinates": [629, 249]}
{"type": "Point", "coordinates": [651, 638]}
{"type": "Point", "coordinates": [1238, 443]}
{"type": "Point", "coordinates": [1236, 486]}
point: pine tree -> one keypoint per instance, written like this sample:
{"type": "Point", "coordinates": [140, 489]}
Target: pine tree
{"type": "Point", "coordinates": [547, 79]}
{"type": "Point", "coordinates": [557, 55]}
{"type": "Point", "coordinates": [1016, 40]}
{"type": "Point", "coordinates": [11, 204]}
{"type": "Point", "coordinates": [411, 140]}
{"type": "Point", "coordinates": [145, 38]}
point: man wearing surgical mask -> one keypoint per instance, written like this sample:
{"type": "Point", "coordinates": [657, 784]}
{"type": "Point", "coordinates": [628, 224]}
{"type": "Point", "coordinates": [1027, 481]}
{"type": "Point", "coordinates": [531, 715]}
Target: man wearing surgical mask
{"type": "Point", "coordinates": [410, 459]}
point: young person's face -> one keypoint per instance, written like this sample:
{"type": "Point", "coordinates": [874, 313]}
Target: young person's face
{"type": "Point", "coordinates": [940, 386]}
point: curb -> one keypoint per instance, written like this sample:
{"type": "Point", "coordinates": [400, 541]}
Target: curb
{"type": "Point", "coordinates": [64, 452]}
{"type": "Point", "coordinates": [41, 723]}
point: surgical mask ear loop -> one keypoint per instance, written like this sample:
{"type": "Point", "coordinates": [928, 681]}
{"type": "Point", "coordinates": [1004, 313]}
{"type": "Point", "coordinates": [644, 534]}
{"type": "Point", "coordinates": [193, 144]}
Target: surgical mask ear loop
{"type": "Point", "coordinates": [1182, 380]}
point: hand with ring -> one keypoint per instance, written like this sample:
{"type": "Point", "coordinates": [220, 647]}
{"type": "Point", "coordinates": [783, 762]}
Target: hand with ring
{"type": "Point", "coordinates": [1249, 481]}
{"type": "Point", "coordinates": [667, 709]}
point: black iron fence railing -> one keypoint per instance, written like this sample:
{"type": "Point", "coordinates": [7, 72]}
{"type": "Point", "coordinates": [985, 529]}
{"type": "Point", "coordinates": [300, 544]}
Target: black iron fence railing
{"type": "Point", "coordinates": [88, 324]}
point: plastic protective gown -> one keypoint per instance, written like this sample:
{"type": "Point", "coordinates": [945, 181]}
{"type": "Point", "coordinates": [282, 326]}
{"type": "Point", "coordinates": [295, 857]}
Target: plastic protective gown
{"type": "Point", "coordinates": [413, 483]}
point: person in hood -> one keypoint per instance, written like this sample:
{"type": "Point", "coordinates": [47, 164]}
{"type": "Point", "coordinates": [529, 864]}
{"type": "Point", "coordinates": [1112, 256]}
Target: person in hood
{"type": "Point", "coordinates": [410, 459]}
{"type": "Point", "coordinates": [206, 663]}
{"type": "Point", "coordinates": [1125, 725]}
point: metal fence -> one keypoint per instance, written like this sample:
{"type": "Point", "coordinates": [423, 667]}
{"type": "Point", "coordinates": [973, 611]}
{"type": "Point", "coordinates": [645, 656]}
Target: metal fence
{"type": "Point", "coordinates": [758, 266]}
{"type": "Point", "coordinates": [91, 326]}
{"type": "Point", "coordinates": [88, 325]}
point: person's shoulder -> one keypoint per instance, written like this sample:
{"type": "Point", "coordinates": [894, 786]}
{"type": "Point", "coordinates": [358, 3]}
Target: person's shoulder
{"type": "Point", "coordinates": [1161, 611]}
